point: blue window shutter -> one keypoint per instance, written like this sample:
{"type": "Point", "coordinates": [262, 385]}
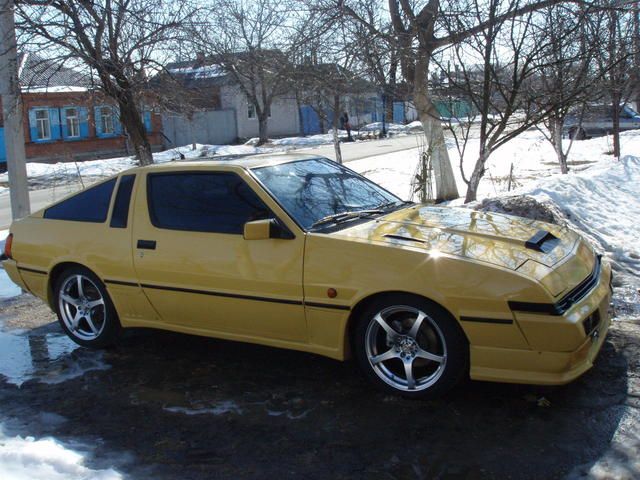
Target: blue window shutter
{"type": "Point", "coordinates": [84, 122]}
{"type": "Point", "coordinates": [146, 116]}
{"type": "Point", "coordinates": [63, 123]}
{"type": "Point", "coordinates": [98, 119]}
{"type": "Point", "coordinates": [33, 129]}
{"type": "Point", "coordinates": [54, 118]}
{"type": "Point", "coordinates": [117, 124]}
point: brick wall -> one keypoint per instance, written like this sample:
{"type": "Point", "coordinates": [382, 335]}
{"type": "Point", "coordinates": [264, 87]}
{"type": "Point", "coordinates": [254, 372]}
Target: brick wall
{"type": "Point", "coordinates": [82, 149]}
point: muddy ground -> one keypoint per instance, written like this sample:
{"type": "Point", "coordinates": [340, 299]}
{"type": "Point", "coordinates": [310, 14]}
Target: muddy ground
{"type": "Point", "coordinates": [171, 406]}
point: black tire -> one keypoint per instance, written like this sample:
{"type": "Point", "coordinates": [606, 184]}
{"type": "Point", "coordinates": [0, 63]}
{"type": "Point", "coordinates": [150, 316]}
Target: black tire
{"type": "Point", "coordinates": [100, 327]}
{"type": "Point", "coordinates": [450, 363]}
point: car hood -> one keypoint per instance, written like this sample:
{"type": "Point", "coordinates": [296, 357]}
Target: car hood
{"type": "Point", "coordinates": [492, 238]}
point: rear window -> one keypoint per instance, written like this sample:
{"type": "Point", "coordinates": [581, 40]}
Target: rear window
{"type": "Point", "coordinates": [90, 205]}
{"type": "Point", "coordinates": [203, 202]}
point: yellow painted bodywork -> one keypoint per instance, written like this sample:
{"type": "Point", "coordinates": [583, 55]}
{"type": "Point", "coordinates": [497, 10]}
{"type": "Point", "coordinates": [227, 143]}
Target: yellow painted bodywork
{"type": "Point", "coordinates": [274, 291]}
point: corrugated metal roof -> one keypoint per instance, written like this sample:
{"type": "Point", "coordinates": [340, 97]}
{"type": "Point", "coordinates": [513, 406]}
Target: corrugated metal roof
{"type": "Point", "coordinates": [38, 72]}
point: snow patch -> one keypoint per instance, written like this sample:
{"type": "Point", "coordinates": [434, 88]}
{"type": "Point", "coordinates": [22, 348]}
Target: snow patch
{"type": "Point", "coordinates": [220, 408]}
{"type": "Point", "coordinates": [45, 459]}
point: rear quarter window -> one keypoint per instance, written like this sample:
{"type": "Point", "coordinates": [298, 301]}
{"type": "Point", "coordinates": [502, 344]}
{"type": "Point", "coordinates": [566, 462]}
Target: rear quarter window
{"type": "Point", "coordinates": [90, 205]}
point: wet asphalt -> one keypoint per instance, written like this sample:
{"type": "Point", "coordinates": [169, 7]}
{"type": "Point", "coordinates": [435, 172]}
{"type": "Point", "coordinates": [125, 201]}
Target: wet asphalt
{"type": "Point", "coordinates": [170, 406]}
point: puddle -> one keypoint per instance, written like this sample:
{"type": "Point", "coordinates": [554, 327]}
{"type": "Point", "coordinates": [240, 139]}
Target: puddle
{"type": "Point", "coordinates": [8, 289]}
{"type": "Point", "coordinates": [46, 357]}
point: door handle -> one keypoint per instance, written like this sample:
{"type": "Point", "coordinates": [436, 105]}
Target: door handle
{"type": "Point", "coordinates": [147, 244]}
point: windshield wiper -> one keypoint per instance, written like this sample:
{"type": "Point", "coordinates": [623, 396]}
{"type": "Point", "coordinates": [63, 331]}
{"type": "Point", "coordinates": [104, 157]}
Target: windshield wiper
{"type": "Point", "coordinates": [397, 203]}
{"type": "Point", "coordinates": [343, 216]}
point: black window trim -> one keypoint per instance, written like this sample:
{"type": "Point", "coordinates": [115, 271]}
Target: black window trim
{"type": "Point", "coordinates": [95, 185]}
{"type": "Point", "coordinates": [114, 199]}
{"type": "Point", "coordinates": [153, 220]}
{"type": "Point", "coordinates": [328, 229]}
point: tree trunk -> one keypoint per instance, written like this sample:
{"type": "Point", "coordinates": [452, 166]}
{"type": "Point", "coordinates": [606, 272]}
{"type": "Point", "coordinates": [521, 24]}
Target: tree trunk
{"type": "Point", "coordinates": [336, 139]}
{"type": "Point", "coordinates": [263, 120]}
{"type": "Point", "coordinates": [132, 121]}
{"type": "Point", "coordinates": [476, 176]}
{"type": "Point", "coordinates": [616, 125]}
{"type": "Point", "coordinates": [12, 113]}
{"type": "Point", "coordinates": [555, 129]}
{"type": "Point", "coordinates": [446, 188]}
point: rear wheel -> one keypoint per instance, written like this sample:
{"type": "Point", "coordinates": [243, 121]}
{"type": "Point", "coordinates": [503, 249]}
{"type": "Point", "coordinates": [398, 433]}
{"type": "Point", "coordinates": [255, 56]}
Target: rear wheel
{"type": "Point", "coordinates": [410, 346]}
{"type": "Point", "coordinates": [85, 310]}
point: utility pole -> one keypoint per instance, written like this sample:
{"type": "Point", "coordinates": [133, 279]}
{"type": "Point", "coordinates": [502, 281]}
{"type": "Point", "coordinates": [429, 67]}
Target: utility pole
{"type": "Point", "coordinates": [12, 112]}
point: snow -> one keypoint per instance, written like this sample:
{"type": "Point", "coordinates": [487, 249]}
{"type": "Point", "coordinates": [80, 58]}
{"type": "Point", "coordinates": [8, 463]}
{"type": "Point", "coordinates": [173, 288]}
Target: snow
{"type": "Point", "coordinates": [55, 89]}
{"type": "Point", "coordinates": [602, 201]}
{"type": "Point", "coordinates": [391, 127]}
{"type": "Point", "coordinates": [209, 71]}
{"type": "Point", "coordinates": [45, 459]}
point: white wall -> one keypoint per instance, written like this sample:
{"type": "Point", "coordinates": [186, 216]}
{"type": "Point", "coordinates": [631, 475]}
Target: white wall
{"type": "Point", "coordinates": [284, 119]}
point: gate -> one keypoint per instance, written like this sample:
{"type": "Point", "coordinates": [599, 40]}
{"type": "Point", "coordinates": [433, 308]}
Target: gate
{"type": "Point", "coordinates": [214, 127]}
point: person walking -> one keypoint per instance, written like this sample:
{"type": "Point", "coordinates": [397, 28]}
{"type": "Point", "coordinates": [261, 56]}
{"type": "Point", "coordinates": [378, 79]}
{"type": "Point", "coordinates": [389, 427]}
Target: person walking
{"type": "Point", "coordinates": [344, 120]}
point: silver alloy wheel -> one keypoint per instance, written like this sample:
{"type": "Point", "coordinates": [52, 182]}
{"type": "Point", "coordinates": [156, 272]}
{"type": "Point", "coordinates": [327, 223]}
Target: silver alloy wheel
{"type": "Point", "coordinates": [406, 348]}
{"type": "Point", "coordinates": [82, 307]}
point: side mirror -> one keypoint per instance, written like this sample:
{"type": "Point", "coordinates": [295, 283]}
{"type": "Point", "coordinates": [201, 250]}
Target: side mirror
{"type": "Point", "coordinates": [265, 229]}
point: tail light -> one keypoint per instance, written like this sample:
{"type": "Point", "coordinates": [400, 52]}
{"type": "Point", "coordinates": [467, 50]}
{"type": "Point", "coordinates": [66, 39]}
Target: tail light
{"type": "Point", "coordinates": [7, 246]}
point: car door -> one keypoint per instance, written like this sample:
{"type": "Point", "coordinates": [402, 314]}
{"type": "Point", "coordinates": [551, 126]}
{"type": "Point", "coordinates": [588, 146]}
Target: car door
{"type": "Point", "coordinates": [199, 272]}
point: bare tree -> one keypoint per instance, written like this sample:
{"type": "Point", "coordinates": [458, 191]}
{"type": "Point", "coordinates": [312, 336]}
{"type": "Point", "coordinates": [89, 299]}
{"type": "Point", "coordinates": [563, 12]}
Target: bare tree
{"type": "Point", "coordinates": [417, 32]}
{"type": "Point", "coordinates": [255, 42]}
{"type": "Point", "coordinates": [565, 79]}
{"type": "Point", "coordinates": [613, 34]}
{"type": "Point", "coordinates": [120, 41]}
{"type": "Point", "coordinates": [502, 87]}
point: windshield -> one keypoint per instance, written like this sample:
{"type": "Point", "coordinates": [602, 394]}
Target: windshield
{"type": "Point", "coordinates": [311, 190]}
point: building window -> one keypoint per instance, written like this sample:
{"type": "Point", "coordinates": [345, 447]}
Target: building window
{"type": "Point", "coordinates": [251, 111]}
{"type": "Point", "coordinates": [43, 124]}
{"type": "Point", "coordinates": [73, 123]}
{"type": "Point", "coordinates": [106, 117]}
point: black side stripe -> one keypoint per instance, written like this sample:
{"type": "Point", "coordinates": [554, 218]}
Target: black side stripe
{"type": "Point", "coordinates": [223, 294]}
{"type": "Point", "coordinates": [32, 270]}
{"type": "Point", "coordinates": [548, 308]}
{"type": "Point", "coordinates": [503, 321]}
{"type": "Point", "coordinates": [327, 305]}
{"type": "Point", "coordinates": [245, 297]}
{"type": "Point", "coordinates": [119, 282]}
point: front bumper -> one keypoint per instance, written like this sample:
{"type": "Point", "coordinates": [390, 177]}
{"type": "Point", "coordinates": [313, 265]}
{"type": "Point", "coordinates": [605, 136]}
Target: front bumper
{"type": "Point", "coordinates": [569, 348]}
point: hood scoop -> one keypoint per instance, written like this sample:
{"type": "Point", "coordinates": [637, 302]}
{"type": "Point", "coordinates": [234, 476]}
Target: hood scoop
{"type": "Point", "coordinates": [542, 241]}
{"type": "Point", "coordinates": [402, 237]}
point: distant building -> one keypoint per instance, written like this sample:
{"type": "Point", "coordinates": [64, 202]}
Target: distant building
{"type": "Point", "coordinates": [66, 118]}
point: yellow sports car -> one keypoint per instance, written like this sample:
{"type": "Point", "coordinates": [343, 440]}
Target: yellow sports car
{"type": "Point", "coordinates": [296, 251]}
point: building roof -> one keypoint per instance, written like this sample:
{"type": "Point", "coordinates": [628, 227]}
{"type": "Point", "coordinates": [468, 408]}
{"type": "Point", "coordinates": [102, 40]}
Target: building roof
{"type": "Point", "coordinates": [38, 74]}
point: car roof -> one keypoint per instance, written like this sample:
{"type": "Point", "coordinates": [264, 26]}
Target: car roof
{"type": "Point", "coordinates": [239, 161]}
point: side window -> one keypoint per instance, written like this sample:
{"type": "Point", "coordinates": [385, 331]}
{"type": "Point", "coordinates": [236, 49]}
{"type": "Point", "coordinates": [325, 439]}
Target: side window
{"type": "Point", "coordinates": [120, 215]}
{"type": "Point", "coordinates": [107, 121]}
{"type": "Point", "coordinates": [90, 205]}
{"type": "Point", "coordinates": [44, 124]}
{"type": "Point", "coordinates": [203, 202]}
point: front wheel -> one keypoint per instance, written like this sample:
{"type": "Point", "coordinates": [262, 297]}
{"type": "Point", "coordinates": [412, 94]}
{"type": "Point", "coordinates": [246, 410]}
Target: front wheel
{"type": "Point", "coordinates": [410, 346]}
{"type": "Point", "coordinates": [85, 310]}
